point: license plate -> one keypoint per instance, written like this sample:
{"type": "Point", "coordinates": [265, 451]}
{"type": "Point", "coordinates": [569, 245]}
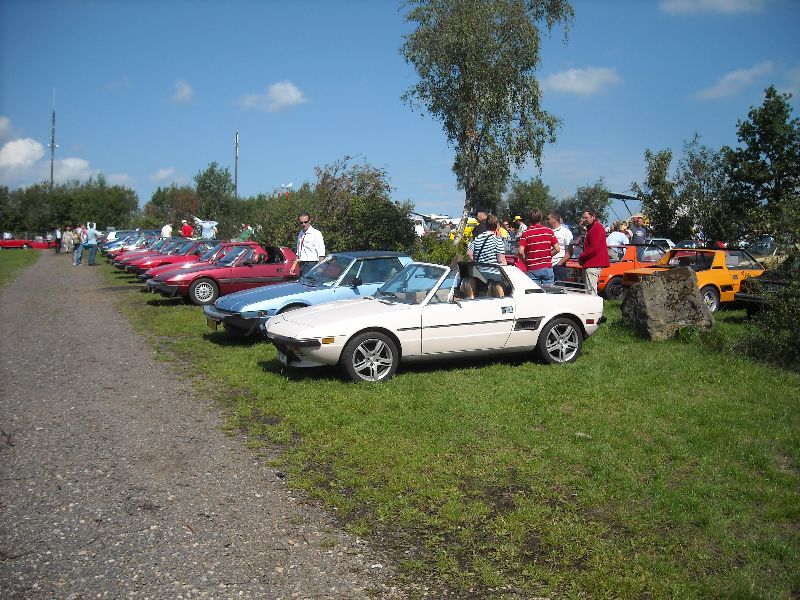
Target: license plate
{"type": "Point", "coordinates": [212, 324]}
{"type": "Point", "coordinates": [283, 358]}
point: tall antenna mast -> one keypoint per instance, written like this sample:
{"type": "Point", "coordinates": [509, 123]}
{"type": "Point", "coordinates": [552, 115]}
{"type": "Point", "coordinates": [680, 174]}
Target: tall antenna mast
{"type": "Point", "coordinates": [53, 141]}
{"type": "Point", "coordinates": [236, 165]}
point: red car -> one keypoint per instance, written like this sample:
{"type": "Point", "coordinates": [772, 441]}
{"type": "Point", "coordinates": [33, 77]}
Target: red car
{"type": "Point", "coordinates": [621, 260]}
{"type": "Point", "coordinates": [25, 244]}
{"type": "Point", "coordinates": [245, 265]}
{"type": "Point", "coordinates": [177, 254]}
{"type": "Point", "coordinates": [209, 257]}
{"type": "Point", "coordinates": [140, 249]}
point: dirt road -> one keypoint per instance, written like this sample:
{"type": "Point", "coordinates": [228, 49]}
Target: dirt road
{"type": "Point", "coordinates": [116, 481]}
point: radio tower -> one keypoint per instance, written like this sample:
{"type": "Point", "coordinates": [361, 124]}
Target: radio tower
{"type": "Point", "coordinates": [236, 165]}
{"type": "Point", "coordinates": [53, 141]}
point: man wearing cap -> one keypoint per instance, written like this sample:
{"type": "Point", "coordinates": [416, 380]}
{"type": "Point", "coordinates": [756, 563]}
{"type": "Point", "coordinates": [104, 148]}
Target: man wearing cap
{"type": "Point", "coordinates": [637, 228]}
{"type": "Point", "coordinates": [187, 230]}
{"type": "Point", "coordinates": [480, 214]}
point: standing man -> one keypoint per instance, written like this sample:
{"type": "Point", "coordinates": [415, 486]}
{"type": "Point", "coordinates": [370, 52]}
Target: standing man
{"type": "Point", "coordinates": [187, 230]}
{"type": "Point", "coordinates": [481, 214]}
{"type": "Point", "coordinates": [488, 247]}
{"type": "Point", "coordinates": [310, 246]}
{"type": "Point", "coordinates": [537, 246]}
{"type": "Point", "coordinates": [166, 230]}
{"type": "Point", "coordinates": [92, 237]}
{"type": "Point", "coordinates": [57, 236]}
{"type": "Point", "coordinates": [564, 237]}
{"type": "Point", "coordinates": [208, 229]}
{"type": "Point", "coordinates": [638, 230]}
{"type": "Point", "coordinates": [595, 251]}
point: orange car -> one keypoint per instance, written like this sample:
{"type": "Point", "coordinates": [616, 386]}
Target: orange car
{"type": "Point", "coordinates": [719, 272]}
{"type": "Point", "coordinates": [621, 260]}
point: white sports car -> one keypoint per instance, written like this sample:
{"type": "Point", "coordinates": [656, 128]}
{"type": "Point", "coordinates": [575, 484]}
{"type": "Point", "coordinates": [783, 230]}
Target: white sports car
{"type": "Point", "coordinates": [430, 311]}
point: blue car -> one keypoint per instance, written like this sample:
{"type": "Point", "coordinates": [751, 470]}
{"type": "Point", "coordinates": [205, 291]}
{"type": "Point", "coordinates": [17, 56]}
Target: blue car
{"type": "Point", "coordinates": [341, 276]}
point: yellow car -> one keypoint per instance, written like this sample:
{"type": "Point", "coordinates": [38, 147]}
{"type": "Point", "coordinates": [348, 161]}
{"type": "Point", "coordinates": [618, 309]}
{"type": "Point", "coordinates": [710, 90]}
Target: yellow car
{"type": "Point", "coordinates": [471, 224]}
{"type": "Point", "coordinates": [719, 272]}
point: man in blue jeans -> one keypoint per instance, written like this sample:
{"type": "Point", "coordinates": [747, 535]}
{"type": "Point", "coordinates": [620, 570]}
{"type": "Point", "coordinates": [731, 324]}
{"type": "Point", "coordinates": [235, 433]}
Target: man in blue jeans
{"type": "Point", "coordinates": [537, 246]}
{"type": "Point", "coordinates": [92, 237]}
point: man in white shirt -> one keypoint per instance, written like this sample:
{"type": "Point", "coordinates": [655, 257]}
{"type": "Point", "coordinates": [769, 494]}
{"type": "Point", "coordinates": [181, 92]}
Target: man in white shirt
{"type": "Point", "coordinates": [166, 230]}
{"type": "Point", "coordinates": [564, 237]}
{"type": "Point", "coordinates": [310, 246]}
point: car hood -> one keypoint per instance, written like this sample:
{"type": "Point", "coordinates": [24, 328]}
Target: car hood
{"type": "Point", "coordinates": [342, 318]}
{"type": "Point", "coordinates": [253, 299]}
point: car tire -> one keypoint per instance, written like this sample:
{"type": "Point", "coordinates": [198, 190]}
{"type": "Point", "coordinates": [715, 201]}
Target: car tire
{"type": "Point", "coordinates": [25, 247]}
{"type": "Point", "coordinates": [370, 356]}
{"type": "Point", "coordinates": [710, 297]}
{"type": "Point", "coordinates": [290, 308]}
{"type": "Point", "coordinates": [203, 291]}
{"type": "Point", "coordinates": [560, 341]}
{"type": "Point", "coordinates": [614, 289]}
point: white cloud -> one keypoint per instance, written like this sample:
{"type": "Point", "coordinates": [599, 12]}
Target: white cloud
{"type": "Point", "coordinates": [119, 84]}
{"type": "Point", "coordinates": [736, 81]}
{"type": "Point", "coordinates": [793, 81]}
{"type": "Point", "coordinates": [5, 128]}
{"type": "Point", "coordinates": [73, 168]}
{"type": "Point", "coordinates": [20, 153]}
{"type": "Point", "coordinates": [120, 179]}
{"type": "Point", "coordinates": [279, 96]}
{"type": "Point", "coordinates": [163, 174]}
{"type": "Point", "coordinates": [582, 81]}
{"type": "Point", "coordinates": [728, 7]}
{"type": "Point", "coordinates": [183, 93]}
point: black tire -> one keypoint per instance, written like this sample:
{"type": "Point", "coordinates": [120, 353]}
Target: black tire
{"type": "Point", "coordinates": [26, 247]}
{"type": "Point", "coordinates": [614, 289]}
{"type": "Point", "coordinates": [203, 291]}
{"type": "Point", "coordinates": [710, 297]}
{"type": "Point", "coordinates": [370, 356]}
{"type": "Point", "coordinates": [290, 308]}
{"type": "Point", "coordinates": [560, 341]}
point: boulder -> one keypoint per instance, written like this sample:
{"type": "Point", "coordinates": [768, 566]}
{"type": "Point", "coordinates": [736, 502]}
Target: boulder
{"type": "Point", "coordinates": [660, 305]}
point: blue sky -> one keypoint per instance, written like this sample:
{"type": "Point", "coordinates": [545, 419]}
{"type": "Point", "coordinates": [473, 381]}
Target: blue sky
{"type": "Point", "coordinates": [150, 92]}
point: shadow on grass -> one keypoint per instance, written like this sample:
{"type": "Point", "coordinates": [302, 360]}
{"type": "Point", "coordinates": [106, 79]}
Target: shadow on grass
{"type": "Point", "coordinates": [224, 339]}
{"type": "Point", "coordinates": [166, 301]}
{"type": "Point", "coordinates": [315, 374]}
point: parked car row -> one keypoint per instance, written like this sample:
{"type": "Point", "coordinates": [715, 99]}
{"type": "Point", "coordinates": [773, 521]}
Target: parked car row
{"type": "Point", "coordinates": [365, 311]}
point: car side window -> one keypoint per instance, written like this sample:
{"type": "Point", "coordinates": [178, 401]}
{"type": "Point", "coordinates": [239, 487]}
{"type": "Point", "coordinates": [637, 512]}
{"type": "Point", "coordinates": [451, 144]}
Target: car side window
{"type": "Point", "coordinates": [737, 259]}
{"type": "Point", "coordinates": [377, 270]}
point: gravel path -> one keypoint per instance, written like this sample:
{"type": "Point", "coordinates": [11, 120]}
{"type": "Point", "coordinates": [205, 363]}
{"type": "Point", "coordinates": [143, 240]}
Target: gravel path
{"type": "Point", "coordinates": [116, 482]}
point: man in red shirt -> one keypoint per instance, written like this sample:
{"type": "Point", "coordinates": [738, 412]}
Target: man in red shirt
{"type": "Point", "coordinates": [595, 251]}
{"type": "Point", "coordinates": [537, 246]}
{"type": "Point", "coordinates": [187, 230]}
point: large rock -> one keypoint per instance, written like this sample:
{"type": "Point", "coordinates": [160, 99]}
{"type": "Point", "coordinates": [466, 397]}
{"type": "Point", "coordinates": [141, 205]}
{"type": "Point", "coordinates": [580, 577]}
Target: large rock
{"type": "Point", "coordinates": [660, 305]}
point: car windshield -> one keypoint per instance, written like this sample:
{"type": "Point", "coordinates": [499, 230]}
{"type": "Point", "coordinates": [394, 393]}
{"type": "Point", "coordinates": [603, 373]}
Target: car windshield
{"type": "Point", "coordinates": [232, 255]}
{"type": "Point", "coordinates": [328, 272]}
{"type": "Point", "coordinates": [210, 253]}
{"type": "Point", "coordinates": [697, 261]}
{"type": "Point", "coordinates": [413, 284]}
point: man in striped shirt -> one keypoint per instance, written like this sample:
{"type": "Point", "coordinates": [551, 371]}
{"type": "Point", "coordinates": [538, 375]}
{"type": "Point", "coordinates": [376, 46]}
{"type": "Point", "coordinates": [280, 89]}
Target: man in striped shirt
{"type": "Point", "coordinates": [488, 247]}
{"type": "Point", "coordinates": [537, 246]}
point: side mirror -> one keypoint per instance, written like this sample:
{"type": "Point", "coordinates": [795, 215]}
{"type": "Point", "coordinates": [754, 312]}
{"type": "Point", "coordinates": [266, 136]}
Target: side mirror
{"type": "Point", "coordinates": [247, 263]}
{"type": "Point", "coordinates": [356, 281]}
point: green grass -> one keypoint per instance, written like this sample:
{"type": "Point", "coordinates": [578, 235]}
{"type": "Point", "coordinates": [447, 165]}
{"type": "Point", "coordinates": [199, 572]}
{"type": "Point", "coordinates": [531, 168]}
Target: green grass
{"type": "Point", "coordinates": [644, 470]}
{"type": "Point", "coordinates": [13, 261]}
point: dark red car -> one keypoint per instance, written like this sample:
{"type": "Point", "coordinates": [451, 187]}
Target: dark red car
{"type": "Point", "coordinates": [245, 265]}
{"type": "Point", "coordinates": [177, 254]}
{"type": "Point", "coordinates": [150, 246]}
{"type": "Point", "coordinates": [209, 257]}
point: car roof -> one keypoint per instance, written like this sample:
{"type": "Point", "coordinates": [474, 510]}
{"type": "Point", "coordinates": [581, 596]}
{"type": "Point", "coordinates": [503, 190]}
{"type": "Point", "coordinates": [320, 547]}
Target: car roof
{"type": "Point", "coordinates": [370, 254]}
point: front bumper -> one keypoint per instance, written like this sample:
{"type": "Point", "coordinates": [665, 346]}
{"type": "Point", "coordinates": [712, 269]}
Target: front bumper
{"type": "Point", "coordinates": [247, 323]}
{"type": "Point", "coordinates": [159, 287]}
{"type": "Point", "coordinates": [299, 353]}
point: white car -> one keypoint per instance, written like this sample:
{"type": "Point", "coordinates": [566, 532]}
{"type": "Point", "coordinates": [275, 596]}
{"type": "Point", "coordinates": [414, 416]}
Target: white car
{"type": "Point", "coordinates": [430, 311]}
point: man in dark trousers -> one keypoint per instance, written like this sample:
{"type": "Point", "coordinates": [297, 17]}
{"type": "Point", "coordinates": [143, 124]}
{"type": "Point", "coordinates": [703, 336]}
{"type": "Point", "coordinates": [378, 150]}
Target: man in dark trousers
{"type": "Point", "coordinates": [595, 251]}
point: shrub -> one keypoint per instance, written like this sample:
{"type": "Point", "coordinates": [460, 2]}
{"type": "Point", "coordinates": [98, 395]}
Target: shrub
{"type": "Point", "coordinates": [773, 336]}
{"type": "Point", "coordinates": [430, 249]}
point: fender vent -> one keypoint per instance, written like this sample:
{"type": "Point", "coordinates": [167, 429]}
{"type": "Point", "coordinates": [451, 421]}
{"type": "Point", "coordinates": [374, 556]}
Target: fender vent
{"type": "Point", "coordinates": [528, 324]}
